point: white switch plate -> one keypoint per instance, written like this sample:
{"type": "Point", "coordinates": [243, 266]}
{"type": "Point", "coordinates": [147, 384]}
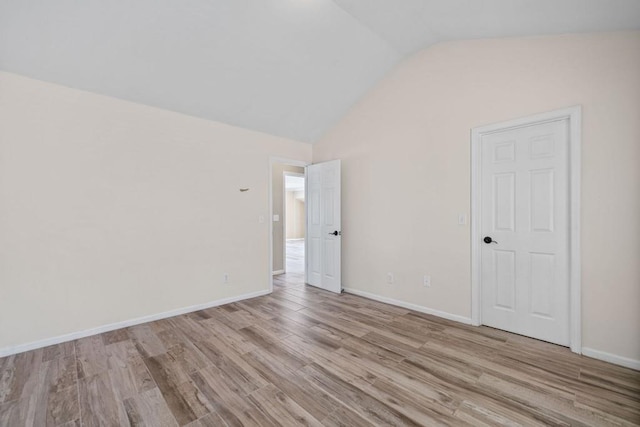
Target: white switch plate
{"type": "Point", "coordinates": [426, 281]}
{"type": "Point", "coordinates": [276, 218]}
{"type": "Point", "coordinates": [462, 219]}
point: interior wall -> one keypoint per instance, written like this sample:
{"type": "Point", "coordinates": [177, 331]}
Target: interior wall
{"type": "Point", "coordinates": [111, 210]}
{"type": "Point", "coordinates": [405, 150]}
{"type": "Point", "coordinates": [277, 182]}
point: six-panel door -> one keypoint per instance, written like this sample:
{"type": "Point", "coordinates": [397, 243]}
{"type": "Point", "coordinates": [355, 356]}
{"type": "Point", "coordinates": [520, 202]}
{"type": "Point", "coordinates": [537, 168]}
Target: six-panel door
{"type": "Point", "coordinates": [324, 226]}
{"type": "Point", "coordinates": [525, 276]}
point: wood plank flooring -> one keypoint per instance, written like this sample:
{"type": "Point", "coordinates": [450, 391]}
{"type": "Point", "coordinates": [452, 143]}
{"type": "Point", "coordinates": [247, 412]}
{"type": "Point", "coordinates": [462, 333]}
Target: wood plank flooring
{"type": "Point", "coordinates": [302, 356]}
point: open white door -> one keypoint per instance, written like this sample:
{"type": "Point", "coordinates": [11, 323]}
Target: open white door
{"type": "Point", "coordinates": [323, 226]}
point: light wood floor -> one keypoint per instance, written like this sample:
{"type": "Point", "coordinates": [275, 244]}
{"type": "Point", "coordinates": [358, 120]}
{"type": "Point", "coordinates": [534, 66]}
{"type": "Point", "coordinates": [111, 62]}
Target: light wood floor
{"type": "Point", "coordinates": [302, 356]}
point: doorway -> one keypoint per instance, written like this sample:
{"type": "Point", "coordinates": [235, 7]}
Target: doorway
{"type": "Point", "coordinates": [525, 226]}
{"type": "Point", "coordinates": [314, 258]}
{"type": "Point", "coordinates": [287, 232]}
{"type": "Point", "coordinates": [294, 223]}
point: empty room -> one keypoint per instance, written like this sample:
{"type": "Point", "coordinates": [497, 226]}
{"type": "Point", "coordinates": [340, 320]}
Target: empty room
{"type": "Point", "coordinates": [319, 212]}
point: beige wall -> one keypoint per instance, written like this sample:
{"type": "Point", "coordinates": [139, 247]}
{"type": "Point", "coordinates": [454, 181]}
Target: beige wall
{"type": "Point", "coordinates": [405, 153]}
{"type": "Point", "coordinates": [277, 181]}
{"type": "Point", "coordinates": [111, 210]}
{"type": "Point", "coordinates": [295, 215]}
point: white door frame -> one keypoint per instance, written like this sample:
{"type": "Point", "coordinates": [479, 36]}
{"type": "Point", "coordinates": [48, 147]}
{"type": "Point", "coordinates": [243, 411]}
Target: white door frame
{"type": "Point", "coordinates": [288, 162]}
{"type": "Point", "coordinates": [574, 116]}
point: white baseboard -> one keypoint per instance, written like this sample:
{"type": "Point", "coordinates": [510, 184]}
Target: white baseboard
{"type": "Point", "coordinates": [414, 307]}
{"type": "Point", "coordinates": [276, 272]}
{"type": "Point", "coordinates": [611, 358]}
{"type": "Point", "coordinates": [589, 352]}
{"type": "Point", "coordinates": [7, 351]}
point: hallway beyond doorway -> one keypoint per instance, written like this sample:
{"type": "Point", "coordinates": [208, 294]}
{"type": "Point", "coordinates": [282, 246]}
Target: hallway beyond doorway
{"type": "Point", "coordinates": [294, 275]}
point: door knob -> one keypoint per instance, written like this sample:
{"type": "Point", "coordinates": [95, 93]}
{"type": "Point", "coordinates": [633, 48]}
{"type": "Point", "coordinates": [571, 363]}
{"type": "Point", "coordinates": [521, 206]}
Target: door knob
{"type": "Point", "coordinates": [489, 240]}
{"type": "Point", "coordinates": [336, 233]}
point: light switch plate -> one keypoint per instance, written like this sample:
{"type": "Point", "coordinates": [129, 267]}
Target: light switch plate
{"type": "Point", "coordinates": [276, 218]}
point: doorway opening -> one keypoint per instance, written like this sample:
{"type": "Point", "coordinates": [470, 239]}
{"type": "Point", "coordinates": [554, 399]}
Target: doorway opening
{"type": "Point", "coordinates": [294, 223]}
{"type": "Point", "coordinates": [315, 258]}
{"type": "Point", "coordinates": [288, 224]}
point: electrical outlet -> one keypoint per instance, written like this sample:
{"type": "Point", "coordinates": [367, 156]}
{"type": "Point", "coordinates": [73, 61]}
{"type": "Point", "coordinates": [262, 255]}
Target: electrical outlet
{"type": "Point", "coordinates": [426, 281]}
{"type": "Point", "coordinates": [390, 278]}
{"type": "Point", "coordinates": [225, 278]}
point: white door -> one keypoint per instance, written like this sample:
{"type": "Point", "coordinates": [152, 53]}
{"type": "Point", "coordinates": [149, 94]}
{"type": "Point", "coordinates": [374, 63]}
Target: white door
{"type": "Point", "coordinates": [525, 231]}
{"type": "Point", "coordinates": [323, 226]}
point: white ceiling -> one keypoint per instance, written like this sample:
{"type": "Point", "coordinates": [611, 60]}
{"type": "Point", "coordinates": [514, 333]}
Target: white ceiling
{"type": "Point", "coordinates": [286, 67]}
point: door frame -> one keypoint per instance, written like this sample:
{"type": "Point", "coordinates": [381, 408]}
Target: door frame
{"type": "Point", "coordinates": [288, 162]}
{"type": "Point", "coordinates": [574, 116]}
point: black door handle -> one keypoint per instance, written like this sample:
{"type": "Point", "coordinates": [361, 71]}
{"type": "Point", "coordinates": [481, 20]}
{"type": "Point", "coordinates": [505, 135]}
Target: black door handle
{"type": "Point", "coordinates": [488, 240]}
{"type": "Point", "coordinates": [336, 233]}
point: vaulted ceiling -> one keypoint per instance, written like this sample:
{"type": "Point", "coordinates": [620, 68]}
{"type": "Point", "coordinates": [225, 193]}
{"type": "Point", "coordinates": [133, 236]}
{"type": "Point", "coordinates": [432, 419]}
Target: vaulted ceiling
{"type": "Point", "coordinates": [286, 67]}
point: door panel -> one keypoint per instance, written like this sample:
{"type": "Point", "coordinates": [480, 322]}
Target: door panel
{"type": "Point", "coordinates": [505, 279]}
{"type": "Point", "coordinates": [542, 283]}
{"type": "Point", "coordinates": [504, 196]}
{"type": "Point", "coordinates": [323, 221]}
{"type": "Point", "coordinates": [525, 286]}
{"type": "Point", "coordinates": [542, 184]}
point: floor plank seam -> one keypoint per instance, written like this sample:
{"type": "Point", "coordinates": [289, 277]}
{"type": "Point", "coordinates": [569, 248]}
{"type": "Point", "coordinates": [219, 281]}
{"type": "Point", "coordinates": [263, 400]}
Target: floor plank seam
{"type": "Point", "coordinates": [75, 363]}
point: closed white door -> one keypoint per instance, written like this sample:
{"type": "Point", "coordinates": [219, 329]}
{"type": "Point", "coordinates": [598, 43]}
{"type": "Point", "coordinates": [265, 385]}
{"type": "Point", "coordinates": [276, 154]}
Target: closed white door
{"type": "Point", "coordinates": [324, 226]}
{"type": "Point", "coordinates": [525, 208]}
